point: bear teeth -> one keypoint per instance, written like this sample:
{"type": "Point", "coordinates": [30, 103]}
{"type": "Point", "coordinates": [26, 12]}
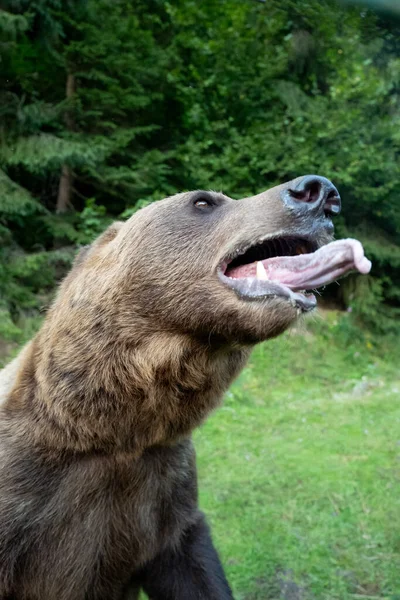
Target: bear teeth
{"type": "Point", "coordinates": [260, 271]}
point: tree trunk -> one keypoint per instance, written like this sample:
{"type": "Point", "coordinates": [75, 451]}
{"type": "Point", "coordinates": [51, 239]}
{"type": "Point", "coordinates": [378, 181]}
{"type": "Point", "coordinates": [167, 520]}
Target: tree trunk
{"type": "Point", "coordinates": [64, 202]}
{"type": "Point", "coordinates": [64, 190]}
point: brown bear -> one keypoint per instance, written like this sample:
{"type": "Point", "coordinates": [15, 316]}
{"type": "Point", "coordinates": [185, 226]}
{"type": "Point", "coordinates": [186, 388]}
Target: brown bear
{"type": "Point", "coordinates": [98, 491]}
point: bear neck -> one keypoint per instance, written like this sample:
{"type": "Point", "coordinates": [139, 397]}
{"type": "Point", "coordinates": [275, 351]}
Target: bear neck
{"type": "Point", "coordinates": [121, 395]}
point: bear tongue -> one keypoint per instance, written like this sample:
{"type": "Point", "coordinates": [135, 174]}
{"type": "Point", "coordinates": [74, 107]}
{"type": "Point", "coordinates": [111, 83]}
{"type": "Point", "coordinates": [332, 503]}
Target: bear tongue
{"type": "Point", "coordinates": [309, 271]}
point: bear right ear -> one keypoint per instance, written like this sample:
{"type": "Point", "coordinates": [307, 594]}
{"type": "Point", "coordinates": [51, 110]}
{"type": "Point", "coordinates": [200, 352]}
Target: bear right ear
{"type": "Point", "coordinates": [107, 236]}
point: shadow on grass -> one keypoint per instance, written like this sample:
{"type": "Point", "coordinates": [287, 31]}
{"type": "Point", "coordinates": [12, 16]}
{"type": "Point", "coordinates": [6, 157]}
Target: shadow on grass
{"type": "Point", "coordinates": [281, 587]}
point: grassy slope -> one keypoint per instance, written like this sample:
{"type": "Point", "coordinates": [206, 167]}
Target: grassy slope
{"type": "Point", "coordinates": [299, 471]}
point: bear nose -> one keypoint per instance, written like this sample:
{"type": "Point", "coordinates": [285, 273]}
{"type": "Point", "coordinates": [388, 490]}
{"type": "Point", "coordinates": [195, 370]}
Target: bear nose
{"type": "Point", "coordinates": [314, 195]}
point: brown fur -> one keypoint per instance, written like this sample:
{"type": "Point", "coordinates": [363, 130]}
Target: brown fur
{"type": "Point", "coordinates": [97, 470]}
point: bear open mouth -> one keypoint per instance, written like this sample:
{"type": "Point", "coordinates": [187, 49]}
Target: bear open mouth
{"type": "Point", "coordinates": [287, 266]}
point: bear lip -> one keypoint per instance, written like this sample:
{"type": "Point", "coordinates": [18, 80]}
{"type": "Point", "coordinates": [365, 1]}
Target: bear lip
{"type": "Point", "coordinates": [288, 276]}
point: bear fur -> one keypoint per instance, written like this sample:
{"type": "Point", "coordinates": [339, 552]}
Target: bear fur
{"type": "Point", "coordinates": [98, 490]}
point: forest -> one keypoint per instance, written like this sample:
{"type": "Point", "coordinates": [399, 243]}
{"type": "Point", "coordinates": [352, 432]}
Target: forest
{"type": "Point", "coordinates": [106, 106]}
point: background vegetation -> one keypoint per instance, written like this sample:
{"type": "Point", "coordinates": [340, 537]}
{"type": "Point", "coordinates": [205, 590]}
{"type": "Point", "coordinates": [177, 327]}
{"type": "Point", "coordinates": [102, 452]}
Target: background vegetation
{"type": "Point", "coordinates": [105, 106]}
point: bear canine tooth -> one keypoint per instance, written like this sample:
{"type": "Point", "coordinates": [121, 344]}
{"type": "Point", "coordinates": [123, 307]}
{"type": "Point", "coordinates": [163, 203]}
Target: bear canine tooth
{"type": "Point", "coordinates": [260, 271]}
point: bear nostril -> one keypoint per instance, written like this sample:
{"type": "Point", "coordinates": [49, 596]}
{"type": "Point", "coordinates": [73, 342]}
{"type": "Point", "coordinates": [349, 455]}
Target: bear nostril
{"type": "Point", "coordinates": [310, 193]}
{"type": "Point", "coordinates": [332, 204]}
{"type": "Point", "coordinates": [314, 195]}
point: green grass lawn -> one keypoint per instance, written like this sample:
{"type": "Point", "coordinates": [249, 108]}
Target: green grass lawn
{"type": "Point", "coordinates": [299, 470]}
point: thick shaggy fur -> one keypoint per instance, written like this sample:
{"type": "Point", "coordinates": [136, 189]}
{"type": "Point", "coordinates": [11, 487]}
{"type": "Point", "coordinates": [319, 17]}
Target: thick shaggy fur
{"type": "Point", "coordinates": [98, 492]}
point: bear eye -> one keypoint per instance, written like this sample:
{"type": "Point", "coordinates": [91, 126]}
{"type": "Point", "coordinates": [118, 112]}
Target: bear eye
{"type": "Point", "coordinates": [203, 202]}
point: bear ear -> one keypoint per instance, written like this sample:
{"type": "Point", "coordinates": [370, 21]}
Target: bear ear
{"type": "Point", "coordinates": [107, 236]}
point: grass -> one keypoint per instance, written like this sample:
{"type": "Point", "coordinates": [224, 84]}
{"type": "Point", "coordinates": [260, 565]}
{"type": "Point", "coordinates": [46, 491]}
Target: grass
{"type": "Point", "coordinates": [299, 470]}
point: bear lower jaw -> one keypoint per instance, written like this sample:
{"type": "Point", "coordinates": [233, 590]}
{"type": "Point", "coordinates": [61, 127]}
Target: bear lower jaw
{"type": "Point", "coordinates": [252, 288]}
